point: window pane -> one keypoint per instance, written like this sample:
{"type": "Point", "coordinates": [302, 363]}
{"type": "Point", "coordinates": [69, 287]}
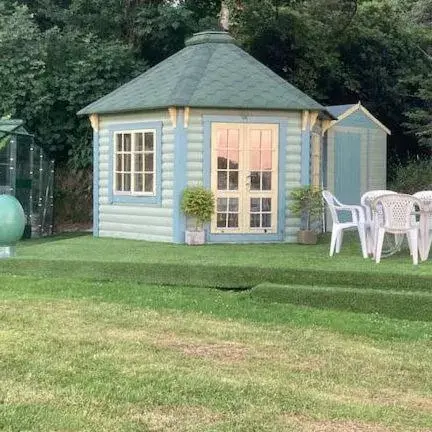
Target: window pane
{"type": "Point", "coordinates": [266, 204]}
{"type": "Point", "coordinates": [127, 146]}
{"type": "Point", "coordinates": [127, 162]}
{"type": "Point", "coordinates": [233, 180]}
{"type": "Point", "coordinates": [266, 220]}
{"type": "Point", "coordinates": [148, 141]}
{"type": "Point", "coordinates": [119, 162]}
{"type": "Point", "coordinates": [254, 220]}
{"type": "Point", "coordinates": [222, 180]}
{"type": "Point", "coordinates": [139, 163]}
{"type": "Point", "coordinates": [148, 182]}
{"type": "Point", "coordinates": [221, 220]}
{"type": "Point", "coordinates": [119, 142]}
{"type": "Point", "coordinates": [233, 204]}
{"type": "Point", "coordinates": [266, 181]}
{"type": "Point", "coordinates": [119, 182]}
{"type": "Point", "coordinates": [233, 139]}
{"type": "Point", "coordinates": [255, 205]}
{"type": "Point", "coordinates": [222, 204]}
{"type": "Point", "coordinates": [139, 142]}
{"type": "Point", "coordinates": [139, 183]}
{"type": "Point", "coordinates": [255, 180]}
{"type": "Point", "coordinates": [127, 182]}
{"type": "Point", "coordinates": [232, 220]}
{"type": "Point", "coordinates": [149, 162]}
{"type": "Point", "coordinates": [222, 159]}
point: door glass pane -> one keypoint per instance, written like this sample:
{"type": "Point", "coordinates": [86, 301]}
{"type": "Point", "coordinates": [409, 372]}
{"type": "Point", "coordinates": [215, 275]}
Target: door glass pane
{"type": "Point", "coordinates": [221, 138]}
{"type": "Point", "coordinates": [222, 204]}
{"type": "Point", "coordinates": [255, 180]}
{"type": "Point", "coordinates": [221, 220]}
{"type": "Point", "coordinates": [127, 142]}
{"type": "Point", "coordinates": [254, 220]}
{"type": "Point", "coordinates": [266, 160]}
{"type": "Point", "coordinates": [266, 140]}
{"type": "Point", "coordinates": [255, 139]}
{"type": "Point", "coordinates": [255, 205]}
{"type": "Point", "coordinates": [232, 220]}
{"type": "Point", "coordinates": [138, 142]}
{"type": "Point", "coordinates": [233, 159]}
{"type": "Point", "coordinates": [266, 180]}
{"type": "Point", "coordinates": [233, 204]}
{"type": "Point", "coordinates": [233, 180]}
{"type": "Point", "coordinates": [233, 139]}
{"type": "Point", "coordinates": [222, 158]}
{"type": "Point", "coordinates": [148, 141]}
{"type": "Point", "coordinates": [266, 204]}
{"type": "Point", "coordinates": [255, 160]}
{"type": "Point", "coordinates": [222, 180]}
{"type": "Point", "coordinates": [266, 220]}
{"type": "Point", "coordinates": [148, 182]}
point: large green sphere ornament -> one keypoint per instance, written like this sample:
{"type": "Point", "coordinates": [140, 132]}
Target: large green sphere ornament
{"type": "Point", "coordinates": [12, 220]}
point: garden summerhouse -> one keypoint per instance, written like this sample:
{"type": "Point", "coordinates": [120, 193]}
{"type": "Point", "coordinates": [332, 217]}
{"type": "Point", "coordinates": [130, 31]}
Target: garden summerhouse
{"type": "Point", "coordinates": [27, 173]}
{"type": "Point", "coordinates": [209, 115]}
{"type": "Point", "coordinates": [354, 153]}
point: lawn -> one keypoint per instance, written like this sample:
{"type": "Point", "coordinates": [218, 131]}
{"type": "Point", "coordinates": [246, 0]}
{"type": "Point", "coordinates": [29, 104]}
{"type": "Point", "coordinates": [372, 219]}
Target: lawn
{"type": "Point", "coordinates": [89, 349]}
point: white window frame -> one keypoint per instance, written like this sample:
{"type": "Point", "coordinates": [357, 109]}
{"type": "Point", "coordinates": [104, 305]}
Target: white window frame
{"type": "Point", "coordinates": [133, 153]}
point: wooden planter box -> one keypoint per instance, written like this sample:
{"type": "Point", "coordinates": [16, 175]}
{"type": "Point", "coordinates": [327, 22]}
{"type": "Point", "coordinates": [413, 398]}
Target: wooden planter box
{"type": "Point", "coordinates": [307, 237]}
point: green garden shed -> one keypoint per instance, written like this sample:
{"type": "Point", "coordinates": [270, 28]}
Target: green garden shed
{"type": "Point", "coordinates": [354, 153]}
{"type": "Point", "coordinates": [209, 115]}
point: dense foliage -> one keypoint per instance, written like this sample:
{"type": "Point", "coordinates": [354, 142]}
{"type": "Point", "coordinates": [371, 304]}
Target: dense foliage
{"type": "Point", "coordinates": [59, 55]}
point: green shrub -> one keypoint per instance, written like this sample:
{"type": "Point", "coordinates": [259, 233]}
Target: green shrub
{"type": "Point", "coordinates": [413, 176]}
{"type": "Point", "coordinates": [306, 202]}
{"type": "Point", "coordinates": [198, 202]}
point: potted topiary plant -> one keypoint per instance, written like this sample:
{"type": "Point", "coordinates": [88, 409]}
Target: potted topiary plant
{"type": "Point", "coordinates": [306, 202]}
{"type": "Point", "coordinates": [198, 203]}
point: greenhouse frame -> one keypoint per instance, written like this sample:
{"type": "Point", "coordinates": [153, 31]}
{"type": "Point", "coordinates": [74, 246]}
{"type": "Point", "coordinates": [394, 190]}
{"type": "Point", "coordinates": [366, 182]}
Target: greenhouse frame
{"type": "Point", "coordinates": [27, 173]}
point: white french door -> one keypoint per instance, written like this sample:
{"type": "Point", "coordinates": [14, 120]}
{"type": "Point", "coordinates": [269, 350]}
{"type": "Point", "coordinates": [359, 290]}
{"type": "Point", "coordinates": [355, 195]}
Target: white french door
{"type": "Point", "coordinates": [244, 177]}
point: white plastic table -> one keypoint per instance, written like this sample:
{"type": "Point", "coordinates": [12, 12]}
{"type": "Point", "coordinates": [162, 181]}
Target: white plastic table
{"type": "Point", "coordinates": [425, 216]}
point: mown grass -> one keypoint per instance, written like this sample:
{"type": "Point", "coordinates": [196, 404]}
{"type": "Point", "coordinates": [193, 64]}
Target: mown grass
{"type": "Point", "coordinates": [221, 266]}
{"type": "Point", "coordinates": [114, 356]}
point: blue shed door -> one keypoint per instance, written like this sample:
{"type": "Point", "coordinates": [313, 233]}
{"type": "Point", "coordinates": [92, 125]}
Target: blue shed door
{"type": "Point", "coordinates": [347, 167]}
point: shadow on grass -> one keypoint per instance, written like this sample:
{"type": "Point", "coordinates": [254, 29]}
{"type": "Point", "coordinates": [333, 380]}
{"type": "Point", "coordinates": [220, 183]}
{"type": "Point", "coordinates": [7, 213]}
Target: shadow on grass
{"type": "Point", "coordinates": [53, 238]}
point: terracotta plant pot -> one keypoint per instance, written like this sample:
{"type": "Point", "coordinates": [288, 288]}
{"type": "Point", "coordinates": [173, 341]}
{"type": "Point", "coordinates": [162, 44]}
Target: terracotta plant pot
{"type": "Point", "coordinates": [307, 237]}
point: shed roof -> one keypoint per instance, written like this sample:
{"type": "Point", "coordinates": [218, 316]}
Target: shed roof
{"type": "Point", "coordinates": [210, 72]}
{"type": "Point", "coordinates": [343, 111]}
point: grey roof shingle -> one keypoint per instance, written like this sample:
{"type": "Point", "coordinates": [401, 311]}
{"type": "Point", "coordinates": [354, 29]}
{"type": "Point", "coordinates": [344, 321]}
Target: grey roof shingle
{"type": "Point", "coordinates": [210, 72]}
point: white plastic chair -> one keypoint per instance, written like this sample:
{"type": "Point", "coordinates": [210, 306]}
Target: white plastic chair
{"type": "Point", "coordinates": [397, 218]}
{"type": "Point", "coordinates": [338, 227]}
{"type": "Point", "coordinates": [426, 198]}
{"type": "Point", "coordinates": [366, 201]}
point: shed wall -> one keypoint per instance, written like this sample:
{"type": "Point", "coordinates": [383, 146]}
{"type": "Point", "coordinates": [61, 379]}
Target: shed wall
{"type": "Point", "coordinates": [372, 161]}
{"type": "Point", "coordinates": [152, 222]}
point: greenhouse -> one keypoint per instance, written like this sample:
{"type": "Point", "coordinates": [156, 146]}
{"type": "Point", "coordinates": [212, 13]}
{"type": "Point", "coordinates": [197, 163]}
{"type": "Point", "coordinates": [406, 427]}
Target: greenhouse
{"type": "Point", "coordinates": [27, 173]}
